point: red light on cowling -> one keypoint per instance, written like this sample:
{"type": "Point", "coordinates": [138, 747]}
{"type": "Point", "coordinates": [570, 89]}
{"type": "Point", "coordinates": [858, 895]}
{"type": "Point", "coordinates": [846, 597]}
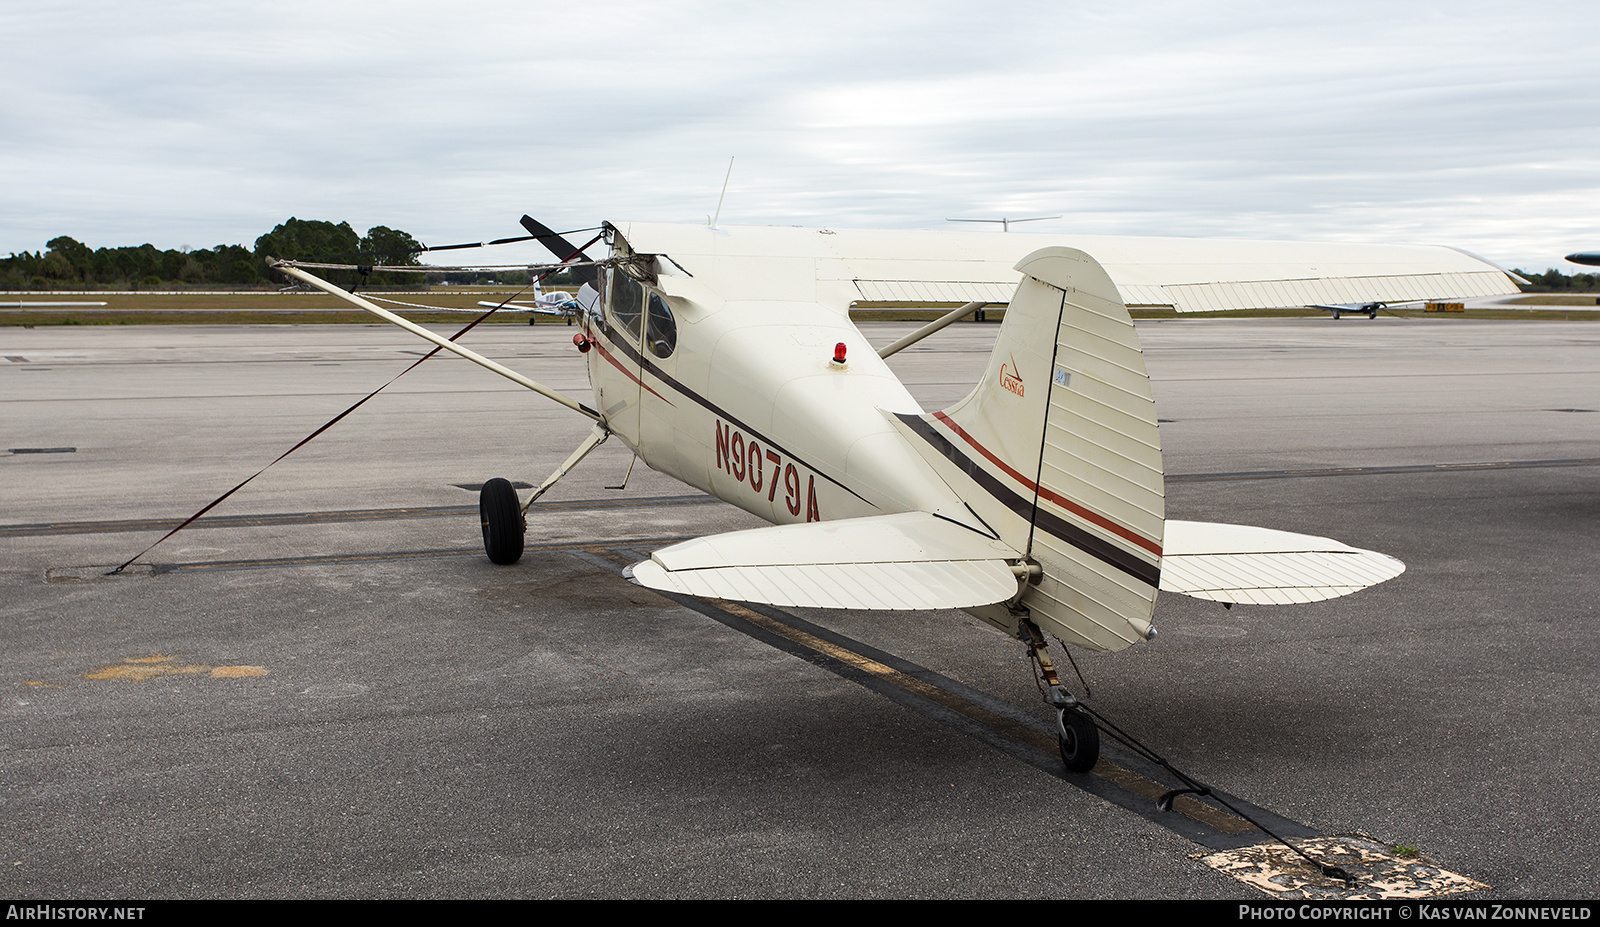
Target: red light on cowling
{"type": "Point", "coordinates": [838, 353]}
{"type": "Point", "coordinates": [582, 341]}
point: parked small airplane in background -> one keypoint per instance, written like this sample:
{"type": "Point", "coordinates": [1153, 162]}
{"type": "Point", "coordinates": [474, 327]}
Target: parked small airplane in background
{"type": "Point", "coordinates": [556, 303]}
{"type": "Point", "coordinates": [725, 357]}
{"type": "Point", "coordinates": [1370, 310]}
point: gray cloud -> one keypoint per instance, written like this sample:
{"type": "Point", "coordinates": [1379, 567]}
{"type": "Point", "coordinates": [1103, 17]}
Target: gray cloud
{"type": "Point", "coordinates": [199, 123]}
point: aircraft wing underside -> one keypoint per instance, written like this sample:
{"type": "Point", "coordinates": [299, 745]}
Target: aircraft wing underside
{"type": "Point", "coordinates": [912, 560]}
{"type": "Point", "coordinates": [1260, 566]}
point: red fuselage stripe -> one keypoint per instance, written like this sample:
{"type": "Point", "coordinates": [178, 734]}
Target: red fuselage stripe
{"type": "Point", "coordinates": [601, 347]}
{"type": "Point", "coordinates": [1057, 498]}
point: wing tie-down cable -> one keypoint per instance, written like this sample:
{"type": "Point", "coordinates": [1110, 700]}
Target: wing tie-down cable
{"type": "Point", "coordinates": [1194, 787]}
{"type": "Point", "coordinates": [337, 418]}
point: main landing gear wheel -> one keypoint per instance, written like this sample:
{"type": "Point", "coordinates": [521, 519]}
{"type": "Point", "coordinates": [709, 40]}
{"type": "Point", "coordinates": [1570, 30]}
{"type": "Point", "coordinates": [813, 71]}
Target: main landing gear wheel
{"type": "Point", "coordinates": [1078, 738]}
{"type": "Point", "coordinates": [503, 526]}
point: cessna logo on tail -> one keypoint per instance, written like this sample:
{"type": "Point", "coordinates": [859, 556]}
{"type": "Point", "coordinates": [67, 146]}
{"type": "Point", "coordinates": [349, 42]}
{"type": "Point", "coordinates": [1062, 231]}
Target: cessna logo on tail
{"type": "Point", "coordinates": [1009, 378]}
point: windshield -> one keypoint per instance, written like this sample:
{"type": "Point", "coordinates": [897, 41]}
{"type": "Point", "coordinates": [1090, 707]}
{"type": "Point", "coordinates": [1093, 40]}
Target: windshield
{"type": "Point", "coordinates": [625, 301]}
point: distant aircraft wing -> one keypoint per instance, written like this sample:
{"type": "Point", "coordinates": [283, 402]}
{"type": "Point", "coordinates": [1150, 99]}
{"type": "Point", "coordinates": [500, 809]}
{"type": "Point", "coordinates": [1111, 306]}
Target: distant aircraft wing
{"type": "Point", "coordinates": [912, 560]}
{"type": "Point", "coordinates": [516, 307]}
{"type": "Point", "coordinates": [506, 307]}
{"type": "Point", "coordinates": [1260, 566]}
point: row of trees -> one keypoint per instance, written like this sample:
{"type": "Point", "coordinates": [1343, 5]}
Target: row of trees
{"type": "Point", "coordinates": [69, 264]}
{"type": "Point", "coordinates": [1554, 281]}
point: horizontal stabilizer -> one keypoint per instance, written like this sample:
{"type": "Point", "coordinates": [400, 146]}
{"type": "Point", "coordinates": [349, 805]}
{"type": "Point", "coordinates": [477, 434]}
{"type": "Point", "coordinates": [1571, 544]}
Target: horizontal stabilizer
{"type": "Point", "coordinates": [912, 560]}
{"type": "Point", "coordinates": [1260, 566]}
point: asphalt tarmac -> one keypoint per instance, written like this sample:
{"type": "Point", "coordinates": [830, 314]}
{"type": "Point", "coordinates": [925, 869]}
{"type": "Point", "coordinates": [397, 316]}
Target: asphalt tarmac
{"type": "Point", "coordinates": [323, 689]}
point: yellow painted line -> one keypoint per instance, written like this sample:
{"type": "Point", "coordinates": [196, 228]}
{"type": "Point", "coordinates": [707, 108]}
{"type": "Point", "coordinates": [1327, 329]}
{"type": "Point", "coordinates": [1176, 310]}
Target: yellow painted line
{"type": "Point", "coordinates": [138, 669]}
{"type": "Point", "coordinates": [1126, 778]}
{"type": "Point", "coordinates": [1185, 805]}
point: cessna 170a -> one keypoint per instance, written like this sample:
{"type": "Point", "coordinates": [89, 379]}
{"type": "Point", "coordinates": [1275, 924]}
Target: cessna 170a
{"type": "Point", "coordinates": [725, 357]}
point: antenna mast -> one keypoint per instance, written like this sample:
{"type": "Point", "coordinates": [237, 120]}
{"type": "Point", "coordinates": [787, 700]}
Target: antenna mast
{"type": "Point", "coordinates": [713, 222]}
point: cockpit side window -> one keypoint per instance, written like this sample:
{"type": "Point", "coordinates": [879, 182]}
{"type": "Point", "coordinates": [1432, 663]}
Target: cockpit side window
{"type": "Point", "coordinates": [662, 329]}
{"type": "Point", "coordinates": [625, 301]}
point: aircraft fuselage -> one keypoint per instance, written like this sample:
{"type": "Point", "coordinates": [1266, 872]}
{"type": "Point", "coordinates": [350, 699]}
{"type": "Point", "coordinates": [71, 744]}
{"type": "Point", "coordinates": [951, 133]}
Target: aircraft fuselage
{"type": "Point", "coordinates": [726, 396]}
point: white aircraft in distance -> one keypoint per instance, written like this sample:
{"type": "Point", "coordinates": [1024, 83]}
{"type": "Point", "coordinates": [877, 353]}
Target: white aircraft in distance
{"type": "Point", "coordinates": [725, 357]}
{"type": "Point", "coordinates": [555, 302]}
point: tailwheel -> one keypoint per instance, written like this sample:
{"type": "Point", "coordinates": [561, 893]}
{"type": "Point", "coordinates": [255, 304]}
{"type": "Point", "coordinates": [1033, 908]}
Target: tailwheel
{"type": "Point", "coordinates": [503, 526]}
{"type": "Point", "coordinates": [1076, 734]}
{"type": "Point", "coordinates": [1078, 738]}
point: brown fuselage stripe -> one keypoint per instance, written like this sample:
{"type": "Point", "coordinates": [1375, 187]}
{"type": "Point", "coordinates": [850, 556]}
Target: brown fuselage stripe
{"type": "Point", "coordinates": [601, 347]}
{"type": "Point", "coordinates": [1042, 519]}
{"type": "Point", "coordinates": [1126, 534]}
{"type": "Point", "coordinates": [633, 354]}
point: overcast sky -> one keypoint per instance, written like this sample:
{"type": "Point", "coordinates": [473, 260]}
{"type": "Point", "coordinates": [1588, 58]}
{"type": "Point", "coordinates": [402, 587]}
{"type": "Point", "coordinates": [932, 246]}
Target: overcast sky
{"type": "Point", "coordinates": [203, 123]}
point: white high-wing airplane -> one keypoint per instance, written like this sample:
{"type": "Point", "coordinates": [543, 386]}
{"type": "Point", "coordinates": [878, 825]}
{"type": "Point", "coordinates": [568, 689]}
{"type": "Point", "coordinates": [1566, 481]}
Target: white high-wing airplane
{"type": "Point", "coordinates": [725, 357]}
{"type": "Point", "coordinates": [556, 303]}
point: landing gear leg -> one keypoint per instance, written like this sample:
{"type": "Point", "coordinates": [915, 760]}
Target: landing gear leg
{"type": "Point", "coordinates": [596, 438]}
{"type": "Point", "coordinates": [1076, 734]}
{"type": "Point", "coordinates": [505, 521]}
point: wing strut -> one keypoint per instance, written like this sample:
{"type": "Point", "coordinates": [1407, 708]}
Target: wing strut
{"type": "Point", "coordinates": [952, 316]}
{"type": "Point", "coordinates": [439, 340]}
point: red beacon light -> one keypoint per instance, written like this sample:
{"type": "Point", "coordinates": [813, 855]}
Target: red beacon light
{"type": "Point", "coordinates": [838, 354]}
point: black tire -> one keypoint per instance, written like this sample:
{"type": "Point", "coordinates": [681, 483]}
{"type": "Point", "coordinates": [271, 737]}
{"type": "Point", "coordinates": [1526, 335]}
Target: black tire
{"type": "Point", "coordinates": [1078, 739]}
{"type": "Point", "coordinates": [503, 527]}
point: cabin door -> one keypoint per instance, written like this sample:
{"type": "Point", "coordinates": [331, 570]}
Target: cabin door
{"type": "Point", "coordinates": [616, 373]}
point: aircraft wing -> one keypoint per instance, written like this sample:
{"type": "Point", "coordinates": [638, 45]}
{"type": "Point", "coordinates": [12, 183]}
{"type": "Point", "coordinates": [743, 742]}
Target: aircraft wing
{"type": "Point", "coordinates": [911, 560]}
{"type": "Point", "coordinates": [1260, 566]}
{"type": "Point", "coordinates": [845, 267]}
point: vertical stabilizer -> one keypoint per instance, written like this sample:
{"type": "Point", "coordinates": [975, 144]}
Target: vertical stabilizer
{"type": "Point", "coordinates": [1057, 449]}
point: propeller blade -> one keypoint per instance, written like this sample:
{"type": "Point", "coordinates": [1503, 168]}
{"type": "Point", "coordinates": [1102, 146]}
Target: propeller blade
{"type": "Point", "coordinates": [563, 250]}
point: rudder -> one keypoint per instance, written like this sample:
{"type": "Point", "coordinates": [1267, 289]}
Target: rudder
{"type": "Point", "coordinates": [1057, 449]}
